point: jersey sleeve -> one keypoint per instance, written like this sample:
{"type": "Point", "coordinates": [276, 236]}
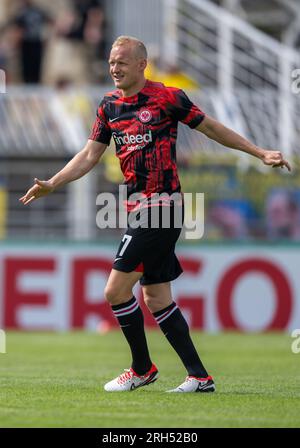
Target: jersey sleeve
{"type": "Point", "coordinates": [182, 109]}
{"type": "Point", "coordinates": [101, 131]}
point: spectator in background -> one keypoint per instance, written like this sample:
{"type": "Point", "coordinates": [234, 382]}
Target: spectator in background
{"type": "Point", "coordinates": [175, 77]}
{"type": "Point", "coordinates": [88, 21]}
{"type": "Point", "coordinates": [283, 215]}
{"type": "Point", "coordinates": [226, 221]}
{"type": "Point", "coordinates": [8, 42]}
{"type": "Point", "coordinates": [30, 22]}
{"type": "Point", "coordinates": [171, 75]}
{"type": "Point", "coordinates": [84, 26]}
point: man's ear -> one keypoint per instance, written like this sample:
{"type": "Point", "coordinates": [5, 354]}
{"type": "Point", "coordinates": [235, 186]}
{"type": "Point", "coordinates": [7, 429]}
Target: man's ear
{"type": "Point", "coordinates": [143, 64]}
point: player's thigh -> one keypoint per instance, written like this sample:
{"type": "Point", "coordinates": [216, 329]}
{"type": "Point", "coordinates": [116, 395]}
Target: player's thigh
{"type": "Point", "coordinates": [157, 296]}
{"type": "Point", "coordinates": [119, 286]}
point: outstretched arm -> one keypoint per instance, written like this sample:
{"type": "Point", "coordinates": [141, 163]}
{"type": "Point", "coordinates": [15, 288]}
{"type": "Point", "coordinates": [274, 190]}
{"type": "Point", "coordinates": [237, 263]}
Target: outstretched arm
{"type": "Point", "coordinates": [221, 134]}
{"type": "Point", "coordinates": [81, 164]}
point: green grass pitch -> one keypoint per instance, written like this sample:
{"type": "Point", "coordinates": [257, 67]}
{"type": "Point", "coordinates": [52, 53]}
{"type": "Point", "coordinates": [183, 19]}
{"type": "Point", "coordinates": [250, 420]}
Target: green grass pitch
{"type": "Point", "coordinates": [56, 380]}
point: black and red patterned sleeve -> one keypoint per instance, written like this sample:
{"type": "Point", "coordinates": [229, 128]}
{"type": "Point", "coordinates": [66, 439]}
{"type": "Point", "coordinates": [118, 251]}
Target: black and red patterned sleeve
{"type": "Point", "coordinates": [182, 109]}
{"type": "Point", "coordinates": [101, 131]}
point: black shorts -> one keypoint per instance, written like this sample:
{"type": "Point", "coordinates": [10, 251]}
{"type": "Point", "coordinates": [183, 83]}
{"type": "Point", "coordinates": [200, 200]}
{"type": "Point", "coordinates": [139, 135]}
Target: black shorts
{"type": "Point", "coordinates": [150, 251]}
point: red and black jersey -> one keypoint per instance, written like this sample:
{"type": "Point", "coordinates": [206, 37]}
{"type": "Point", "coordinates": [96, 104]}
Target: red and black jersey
{"type": "Point", "coordinates": [144, 128]}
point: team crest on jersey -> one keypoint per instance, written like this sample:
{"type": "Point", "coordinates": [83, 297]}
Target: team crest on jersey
{"type": "Point", "coordinates": [145, 115]}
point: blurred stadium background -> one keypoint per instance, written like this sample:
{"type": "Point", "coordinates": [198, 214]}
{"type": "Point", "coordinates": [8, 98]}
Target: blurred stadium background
{"type": "Point", "coordinates": [237, 59]}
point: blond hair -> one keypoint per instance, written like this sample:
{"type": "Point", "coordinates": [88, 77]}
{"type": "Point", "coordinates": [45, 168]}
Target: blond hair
{"type": "Point", "coordinates": [138, 46]}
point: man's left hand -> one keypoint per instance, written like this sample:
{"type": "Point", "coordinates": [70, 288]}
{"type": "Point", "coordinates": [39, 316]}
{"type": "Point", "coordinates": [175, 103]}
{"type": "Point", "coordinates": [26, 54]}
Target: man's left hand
{"type": "Point", "coordinates": [275, 159]}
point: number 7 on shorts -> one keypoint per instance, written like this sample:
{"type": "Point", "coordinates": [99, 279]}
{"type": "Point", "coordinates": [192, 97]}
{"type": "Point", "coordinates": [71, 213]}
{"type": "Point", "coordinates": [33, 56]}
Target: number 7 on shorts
{"type": "Point", "coordinates": [126, 240]}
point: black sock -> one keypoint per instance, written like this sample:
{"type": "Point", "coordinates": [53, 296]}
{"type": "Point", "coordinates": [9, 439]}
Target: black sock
{"type": "Point", "coordinates": [176, 330]}
{"type": "Point", "coordinates": [131, 321]}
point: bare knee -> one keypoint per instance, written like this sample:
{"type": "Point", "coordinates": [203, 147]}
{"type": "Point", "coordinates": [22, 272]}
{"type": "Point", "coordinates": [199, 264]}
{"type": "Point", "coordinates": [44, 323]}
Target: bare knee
{"type": "Point", "coordinates": [119, 286]}
{"type": "Point", "coordinates": [116, 296]}
{"type": "Point", "coordinates": [158, 296]}
{"type": "Point", "coordinates": [156, 302]}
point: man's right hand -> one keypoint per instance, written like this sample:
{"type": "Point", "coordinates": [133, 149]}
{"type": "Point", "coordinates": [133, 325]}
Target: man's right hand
{"type": "Point", "coordinates": [40, 188]}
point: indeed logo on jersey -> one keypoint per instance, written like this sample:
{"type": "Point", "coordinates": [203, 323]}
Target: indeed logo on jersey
{"type": "Point", "coordinates": [134, 140]}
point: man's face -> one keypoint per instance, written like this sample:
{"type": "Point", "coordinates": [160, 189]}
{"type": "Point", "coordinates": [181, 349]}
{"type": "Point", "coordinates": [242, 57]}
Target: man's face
{"type": "Point", "coordinates": [125, 68]}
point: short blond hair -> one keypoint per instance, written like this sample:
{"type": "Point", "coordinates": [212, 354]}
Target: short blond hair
{"type": "Point", "coordinates": [139, 47]}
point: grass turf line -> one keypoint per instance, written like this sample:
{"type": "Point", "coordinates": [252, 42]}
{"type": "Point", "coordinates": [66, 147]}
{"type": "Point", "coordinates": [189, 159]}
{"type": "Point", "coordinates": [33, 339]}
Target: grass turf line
{"type": "Point", "coordinates": [56, 380]}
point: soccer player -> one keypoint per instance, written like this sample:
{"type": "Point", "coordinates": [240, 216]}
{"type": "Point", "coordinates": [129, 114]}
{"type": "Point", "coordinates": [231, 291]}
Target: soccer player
{"type": "Point", "coordinates": [142, 117]}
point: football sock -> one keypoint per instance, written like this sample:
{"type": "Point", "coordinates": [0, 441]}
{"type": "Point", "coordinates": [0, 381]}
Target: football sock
{"type": "Point", "coordinates": [131, 321]}
{"type": "Point", "coordinates": [176, 330]}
